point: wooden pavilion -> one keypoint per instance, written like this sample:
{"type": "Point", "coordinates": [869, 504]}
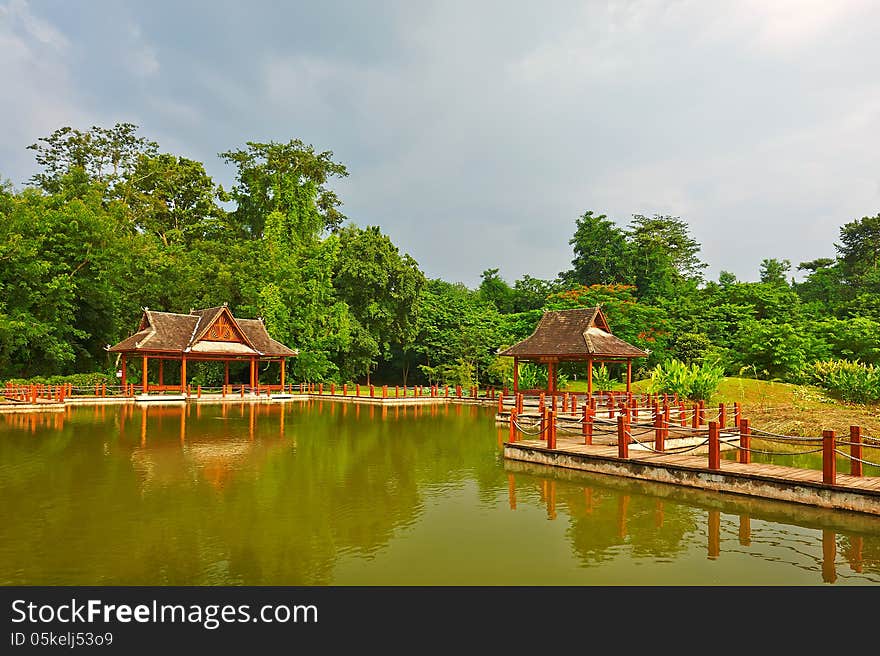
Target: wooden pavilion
{"type": "Point", "coordinates": [580, 335]}
{"type": "Point", "coordinates": [212, 334]}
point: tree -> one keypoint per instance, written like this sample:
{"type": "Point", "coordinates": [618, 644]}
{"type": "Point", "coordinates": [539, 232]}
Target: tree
{"type": "Point", "coordinates": [531, 293]}
{"type": "Point", "coordinates": [663, 255]}
{"type": "Point", "coordinates": [174, 198]}
{"type": "Point", "coordinates": [859, 249]}
{"type": "Point", "coordinates": [290, 178]}
{"type": "Point", "coordinates": [106, 156]}
{"type": "Point", "coordinates": [495, 290]}
{"type": "Point", "coordinates": [381, 288]}
{"type": "Point", "coordinates": [600, 252]}
{"type": "Point", "coordinates": [773, 271]}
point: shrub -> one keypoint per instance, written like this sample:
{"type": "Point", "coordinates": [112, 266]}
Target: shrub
{"type": "Point", "coordinates": [848, 380]}
{"type": "Point", "coordinates": [78, 380]}
{"type": "Point", "coordinates": [694, 382]}
{"type": "Point", "coordinates": [601, 378]}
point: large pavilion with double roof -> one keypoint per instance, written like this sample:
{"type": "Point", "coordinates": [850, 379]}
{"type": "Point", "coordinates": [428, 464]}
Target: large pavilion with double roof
{"type": "Point", "coordinates": [580, 335]}
{"type": "Point", "coordinates": [212, 334]}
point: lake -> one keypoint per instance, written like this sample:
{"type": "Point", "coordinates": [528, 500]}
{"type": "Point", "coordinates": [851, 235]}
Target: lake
{"type": "Point", "coordinates": [321, 492]}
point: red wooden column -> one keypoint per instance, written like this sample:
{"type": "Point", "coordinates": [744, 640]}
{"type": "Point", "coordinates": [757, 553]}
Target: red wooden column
{"type": "Point", "coordinates": [146, 384]}
{"type": "Point", "coordinates": [226, 372]}
{"type": "Point", "coordinates": [282, 362]}
{"type": "Point", "coordinates": [182, 375]}
{"type": "Point", "coordinates": [515, 375]}
{"type": "Point", "coordinates": [629, 376]}
{"type": "Point", "coordinates": [855, 450]}
{"type": "Point", "coordinates": [253, 372]}
{"type": "Point", "coordinates": [551, 378]}
{"type": "Point", "coordinates": [124, 377]}
{"type": "Point", "coordinates": [829, 462]}
{"type": "Point", "coordinates": [590, 376]}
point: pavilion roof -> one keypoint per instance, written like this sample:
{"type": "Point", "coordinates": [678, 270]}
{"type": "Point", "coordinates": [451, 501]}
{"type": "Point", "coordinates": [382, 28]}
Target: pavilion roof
{"type": "Point", "coordinates": [574, 334]}
{"type": "Point", "coordinates": [211, 331]}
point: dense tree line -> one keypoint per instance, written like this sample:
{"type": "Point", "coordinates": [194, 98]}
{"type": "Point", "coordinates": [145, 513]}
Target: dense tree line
{"type": "Point", "coordinates": [110, 224]}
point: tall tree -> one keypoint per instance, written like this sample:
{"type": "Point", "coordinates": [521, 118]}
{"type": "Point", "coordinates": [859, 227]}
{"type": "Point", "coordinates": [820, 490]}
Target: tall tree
{"type": "Point", "coordinates": [290, 178]}
{"type": "Point", "coordinates": [381, 288]}
{"type": "Point", "coordinates": [494, 289]}
{"type": "Point", "coordinates": [175, 199]}
{"type": "Point", "coordinates": [663, 255]}
{"type": "Point", "coordinates": [106, 156]}
{"type": "Point", "coordinates": [600, 252]}
{"type": "Point", "coordinates": [773, 271]}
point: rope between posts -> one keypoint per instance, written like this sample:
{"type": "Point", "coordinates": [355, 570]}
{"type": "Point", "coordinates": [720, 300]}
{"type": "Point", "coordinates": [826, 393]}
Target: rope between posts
{"type": "Point", "coordinates": [847, 443]}
{"type": "Point", "coordinates": [774, 453]}
{"type": "Point", "coordinates": [846, 455]}
{"type": "Point", "coordinates": [757, 431]}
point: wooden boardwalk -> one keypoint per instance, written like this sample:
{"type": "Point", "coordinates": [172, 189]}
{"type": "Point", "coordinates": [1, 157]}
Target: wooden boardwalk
{"type": "Point", "coordinates": [861, 493]}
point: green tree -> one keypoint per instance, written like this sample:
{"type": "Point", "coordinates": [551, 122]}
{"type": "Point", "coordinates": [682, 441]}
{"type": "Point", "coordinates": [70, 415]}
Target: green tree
{"type": "Point", "coordinates": [663, 255]}
{"type": "Point", "coordinates": [381, 288]}
{"type": "Point", "coordinates": [859, 248]}
{"type": "Point", "coordinates": [106, 156]}
{"type": "Point", "coordinates": [773, 271]}
{"type": "Point", "coordinates": [495, 290]}
{"type": "Point", "coordinates": [600, 252]}
{"type": "Point", "coordinates": [290, 178]}
{"type": "Point", "coordinates": [174, 198]}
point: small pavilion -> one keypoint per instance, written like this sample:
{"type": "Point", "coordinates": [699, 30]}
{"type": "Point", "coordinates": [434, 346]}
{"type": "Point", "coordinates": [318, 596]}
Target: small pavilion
{"type": "Point", "coordinates": [580, 335]}
{"type": "Point", "coordinates": [212, 334]}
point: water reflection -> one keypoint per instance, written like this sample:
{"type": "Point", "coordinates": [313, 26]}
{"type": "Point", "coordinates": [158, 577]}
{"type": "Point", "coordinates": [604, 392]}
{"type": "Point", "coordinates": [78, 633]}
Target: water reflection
{"type": "Point", "coordinates": [605, 515]}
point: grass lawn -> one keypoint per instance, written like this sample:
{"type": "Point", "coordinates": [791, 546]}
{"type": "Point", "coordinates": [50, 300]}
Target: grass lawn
{"type": "Point", "coordinates": [782, 407]}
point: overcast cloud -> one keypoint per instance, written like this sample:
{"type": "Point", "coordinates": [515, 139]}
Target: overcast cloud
{"type": "Point", "coordinates": [475, 132]}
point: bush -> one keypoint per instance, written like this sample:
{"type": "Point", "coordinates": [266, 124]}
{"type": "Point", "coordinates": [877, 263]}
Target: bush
{"type": "Point", "coordinates": [848, 380]}
{"type": "Point", "coordinates": [694, 382]}
{"type": "Point", "coordinates": [601, 378]}
{"type": "Point", "coordinates": [78, 380]}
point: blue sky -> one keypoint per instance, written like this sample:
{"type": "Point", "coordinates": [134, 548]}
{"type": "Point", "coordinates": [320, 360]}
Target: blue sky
{"type": "Point", "coordinates": [475, 132]}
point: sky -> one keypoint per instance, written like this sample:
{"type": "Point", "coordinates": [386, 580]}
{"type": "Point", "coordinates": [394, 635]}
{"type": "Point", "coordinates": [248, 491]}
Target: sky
{"type": "Point", "coordinates": [475, 132]}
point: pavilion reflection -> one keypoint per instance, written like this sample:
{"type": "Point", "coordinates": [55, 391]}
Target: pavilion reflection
{"type": "Point", "coordinates": [169, 453]}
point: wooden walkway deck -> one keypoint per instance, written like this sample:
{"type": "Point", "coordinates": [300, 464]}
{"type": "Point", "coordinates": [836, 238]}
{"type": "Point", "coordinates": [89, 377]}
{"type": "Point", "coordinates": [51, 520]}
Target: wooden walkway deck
{"type": "Point", "coordinates": [860, 493]}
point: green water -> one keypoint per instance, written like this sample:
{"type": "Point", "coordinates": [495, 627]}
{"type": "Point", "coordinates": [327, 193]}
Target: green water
{"type": "Point", "coordinates": [329, 493]}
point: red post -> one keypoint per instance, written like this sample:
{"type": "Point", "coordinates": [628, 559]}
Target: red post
{"type": "Point", "coordinates": [714, 446]}
{"type": "Point", "coordinates": [512, 437]}
{"type": "Point", "coordinates": [447, 391]}
{"type": "Point", "coordinates": [320, 388]}
{"type": "Point", "coordinates": [829, 460]}
{"type": "Point", "coordinates": [500, 403]}
{"type": "Point", "coordinates": [722, 415]}
{"type": "Point", "coordinates": [372, 391]}
{"type": "Point", "coordinates": [622, 436]}
{"type": "Point", "coordinates": [357, 389]}
{"type": "Point", "coordinates": [588, 424]}
{"type": "Point", "coordinates": [658, 429]}
{"type": "Point", "coordinates": [344, 389]}
{"type": "Point", "coordinates": [737, 414]}
{"type": "Point", "coordinates": [198, 391]}
{"type": "Point", "coordinates": [332, 389]}
{"type": "Point", "coordinates": [695, 421]}
{"type": "Point", "coordinates": [551, 429]}
{"type": "Point", "coordinates": [242, 390]}
{"type": "Point", "coordinates": [855, 450]}
{"type": "Point", "coordinates": [397, 391]}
